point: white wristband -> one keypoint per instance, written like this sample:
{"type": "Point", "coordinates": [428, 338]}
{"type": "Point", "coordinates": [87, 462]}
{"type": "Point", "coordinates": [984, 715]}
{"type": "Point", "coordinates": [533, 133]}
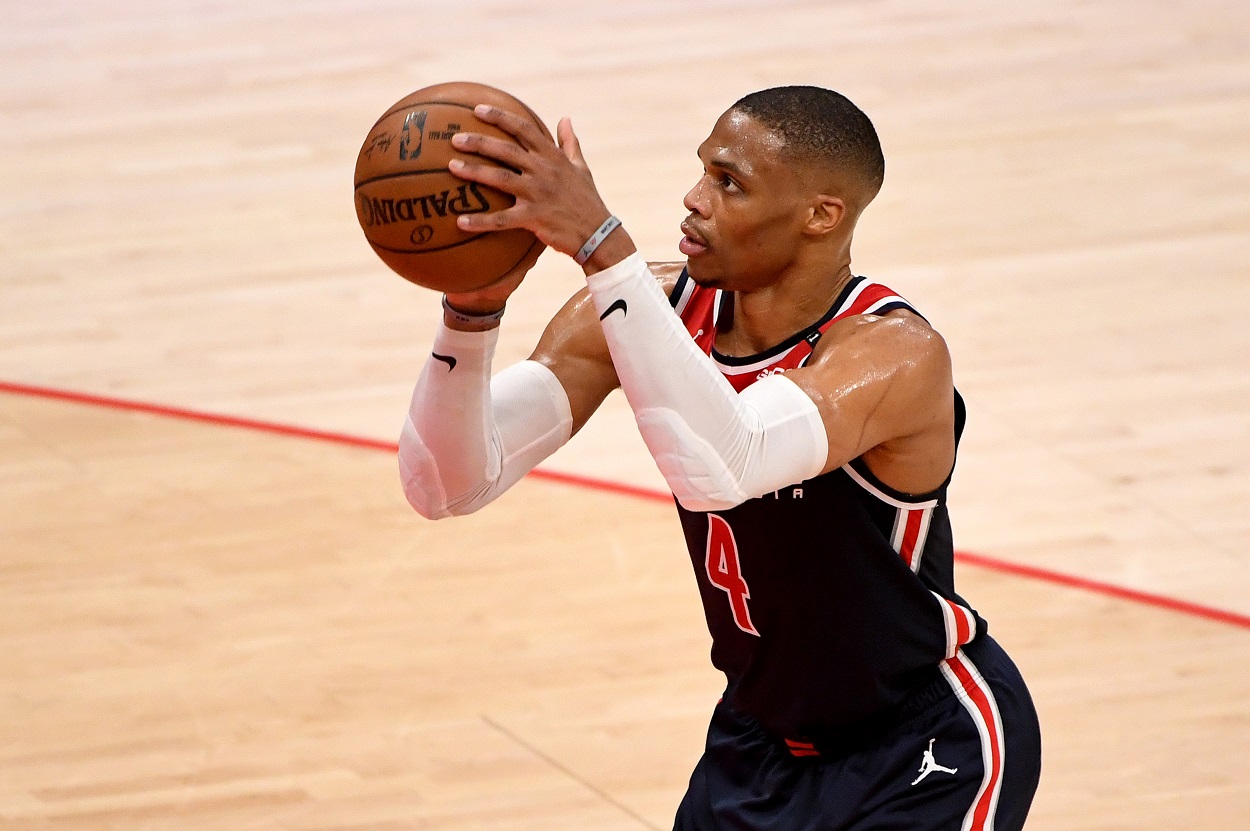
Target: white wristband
{"type": "Point", "coordinates": [475, 322]}
{"type": "Point", "coordinates": [609, 225]}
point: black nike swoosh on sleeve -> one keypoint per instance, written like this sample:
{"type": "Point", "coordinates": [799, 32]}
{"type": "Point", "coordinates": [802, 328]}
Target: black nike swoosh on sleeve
{"type": "Point", "coordinates": [447, 359]}
{"type": "Point", "coordinates": [616, 304]}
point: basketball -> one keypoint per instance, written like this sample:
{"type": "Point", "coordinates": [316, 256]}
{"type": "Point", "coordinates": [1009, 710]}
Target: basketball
{"type": "Point", "coordinates": [407, 201]}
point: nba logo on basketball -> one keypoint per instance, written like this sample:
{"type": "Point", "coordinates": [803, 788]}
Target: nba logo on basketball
{"type": "Point", "coordinates": [412, 120]}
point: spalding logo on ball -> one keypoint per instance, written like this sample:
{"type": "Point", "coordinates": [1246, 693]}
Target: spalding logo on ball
{"type": "Point", "coordinates": [407, 201]}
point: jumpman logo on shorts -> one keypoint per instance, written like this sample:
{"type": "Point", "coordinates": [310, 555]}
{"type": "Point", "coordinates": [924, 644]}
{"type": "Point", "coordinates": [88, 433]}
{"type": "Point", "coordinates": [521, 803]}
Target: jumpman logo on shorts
{"type": "Point", "coordinates": [929, 764]}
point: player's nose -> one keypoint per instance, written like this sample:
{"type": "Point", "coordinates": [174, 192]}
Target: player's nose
{"type": "Point", "coordinates": [696, 201]}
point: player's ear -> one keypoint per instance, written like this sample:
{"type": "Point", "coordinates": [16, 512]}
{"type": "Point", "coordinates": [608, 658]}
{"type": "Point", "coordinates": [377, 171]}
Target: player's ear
{"type": "Point", "coordinates": [826, 214]}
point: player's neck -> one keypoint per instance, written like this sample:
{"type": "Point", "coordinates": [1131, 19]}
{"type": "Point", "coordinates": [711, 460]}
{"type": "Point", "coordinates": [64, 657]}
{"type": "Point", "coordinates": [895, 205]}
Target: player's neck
{"type": "Point", "coordinates": [765, 317]}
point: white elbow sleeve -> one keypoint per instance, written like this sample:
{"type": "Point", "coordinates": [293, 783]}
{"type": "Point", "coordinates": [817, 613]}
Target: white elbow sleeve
{"type": "Point", "coordinates": [532, 419]}
{"type": "Point", "coordinates": [468, 438]}
{"type": "Point", "coordinates": [776, 438]}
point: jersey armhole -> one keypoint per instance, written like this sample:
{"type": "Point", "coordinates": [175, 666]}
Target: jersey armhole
{"type": "Point", "coordinates": [863, 476]}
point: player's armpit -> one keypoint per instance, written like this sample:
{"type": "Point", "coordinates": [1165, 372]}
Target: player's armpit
{"type": "Point", "coordinates": [884, 390]}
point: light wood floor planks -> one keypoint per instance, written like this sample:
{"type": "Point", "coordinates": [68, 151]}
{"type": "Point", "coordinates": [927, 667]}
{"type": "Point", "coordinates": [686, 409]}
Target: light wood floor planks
{"type": "Point", "coordinates": [204, 627]}
{"type": "Point", "coordinates": [225, 629]}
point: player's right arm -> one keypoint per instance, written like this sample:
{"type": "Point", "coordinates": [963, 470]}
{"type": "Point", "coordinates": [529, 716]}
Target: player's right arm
{"type": "Point", "coordinates": [468, 437]}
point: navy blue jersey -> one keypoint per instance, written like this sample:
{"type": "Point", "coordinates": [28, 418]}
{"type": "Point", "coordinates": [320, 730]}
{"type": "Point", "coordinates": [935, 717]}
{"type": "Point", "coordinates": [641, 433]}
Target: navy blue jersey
{"type": "Point", "coordinates": [830, 600]}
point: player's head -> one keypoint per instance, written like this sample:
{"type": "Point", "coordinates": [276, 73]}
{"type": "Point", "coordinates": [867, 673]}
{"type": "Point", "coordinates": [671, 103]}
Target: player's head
{"type": "Point", "coordinates": [824, 130]}
{"type": "Point", "coordinates": [786, 173]}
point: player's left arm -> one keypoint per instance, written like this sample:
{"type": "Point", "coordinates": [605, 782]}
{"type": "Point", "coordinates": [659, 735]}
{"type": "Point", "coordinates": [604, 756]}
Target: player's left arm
{"type": "Point", "coordinates": [877, 385]}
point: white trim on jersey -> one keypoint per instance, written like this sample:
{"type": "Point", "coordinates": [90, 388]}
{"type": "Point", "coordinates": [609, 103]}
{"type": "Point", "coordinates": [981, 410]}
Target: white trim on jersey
{"type": "Point", "coordinates": [884, 301]}
{"type": "Point", "coordinates": [948, 621]}
{"type": "Point", "coordinates": [853, 296]}
{"type": "Point", "coordinates": [746, 369]}
{"type": "Point", "coordinates": [683, 299]}
{"type": "Point", "coordinates": [885, 497]}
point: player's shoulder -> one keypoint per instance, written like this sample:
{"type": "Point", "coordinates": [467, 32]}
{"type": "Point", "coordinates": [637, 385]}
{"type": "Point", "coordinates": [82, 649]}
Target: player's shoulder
{"type": "Point", "coordinates": [902, 333]}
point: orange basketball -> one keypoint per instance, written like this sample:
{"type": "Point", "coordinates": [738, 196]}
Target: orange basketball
{"type": "Point", "coordinates": [407, 201]}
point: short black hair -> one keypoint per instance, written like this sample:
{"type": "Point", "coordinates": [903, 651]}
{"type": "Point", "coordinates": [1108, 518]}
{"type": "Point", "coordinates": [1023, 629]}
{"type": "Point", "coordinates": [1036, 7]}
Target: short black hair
{"type": "Point", "coordinates": [823, 126]}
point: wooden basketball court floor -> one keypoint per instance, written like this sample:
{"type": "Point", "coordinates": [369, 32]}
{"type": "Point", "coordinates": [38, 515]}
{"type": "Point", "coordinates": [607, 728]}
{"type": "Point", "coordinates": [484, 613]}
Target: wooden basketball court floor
{"type": "Point", "coordinates": [216, 610]}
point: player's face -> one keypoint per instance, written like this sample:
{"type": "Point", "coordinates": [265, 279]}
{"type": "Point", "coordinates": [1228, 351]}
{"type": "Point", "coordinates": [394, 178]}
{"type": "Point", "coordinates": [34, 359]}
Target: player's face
{"type": "Point", "coordinates": [747, 210]}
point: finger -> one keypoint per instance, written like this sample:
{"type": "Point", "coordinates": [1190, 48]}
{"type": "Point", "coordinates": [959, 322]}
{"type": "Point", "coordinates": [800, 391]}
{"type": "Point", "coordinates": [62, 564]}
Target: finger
{"type": "Point", "coordinates": [501, 150]}
{"type": "Point", "coordinates": [500, 178]}
{"type": "Point", "coordinates": [569, 145]}
{"type": "Point", "coordinates": [522, 129]}
{"type": "Point", "coordinates": [483, 222]}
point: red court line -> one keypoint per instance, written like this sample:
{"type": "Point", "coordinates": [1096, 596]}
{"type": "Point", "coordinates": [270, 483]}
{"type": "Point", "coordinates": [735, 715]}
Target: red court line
{"type": "Point", "coordinates": [126, 405]}
{"type": "Point", "coordinates": [1099, 587]}
{"type": "Point", "coordinates": [979, 560]}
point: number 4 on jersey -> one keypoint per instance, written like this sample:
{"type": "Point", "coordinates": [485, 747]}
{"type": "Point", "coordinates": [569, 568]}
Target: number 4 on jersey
{"type": "Point", "coordinates": [725, 572]}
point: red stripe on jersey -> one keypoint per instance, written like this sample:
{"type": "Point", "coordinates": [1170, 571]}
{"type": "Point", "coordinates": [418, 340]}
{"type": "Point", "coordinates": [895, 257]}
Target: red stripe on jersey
{"type": "Point", "coordinates": [872, 293]}
{"type": "Point", "coordinates": [911, 529]}
{"type": "Point", "coordinates": [910, 535]}
{"type": "Point", "coordinates": [963, 623]}
{"type": "Point", "coordinates": [976, 697]}
{"type": "Point", "coordinates": [959, 622]}
{"type": "Point", "coordinates": [798, 748]}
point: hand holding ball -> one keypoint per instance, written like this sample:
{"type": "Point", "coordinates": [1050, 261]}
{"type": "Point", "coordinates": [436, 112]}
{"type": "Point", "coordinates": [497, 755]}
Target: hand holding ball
{"type": "Point", "coordinates": [407, 201]}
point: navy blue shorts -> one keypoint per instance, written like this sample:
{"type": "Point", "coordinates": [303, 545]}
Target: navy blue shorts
{"type": "Point", "coordinates": [964, 755]}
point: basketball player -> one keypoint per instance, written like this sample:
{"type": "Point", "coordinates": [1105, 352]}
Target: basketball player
{"type": "Point", "coordinates": [806, 421]}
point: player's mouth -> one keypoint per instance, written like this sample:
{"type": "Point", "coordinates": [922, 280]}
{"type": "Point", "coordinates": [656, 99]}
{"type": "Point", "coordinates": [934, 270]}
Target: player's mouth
{"type": "Point", "coordinates": [692, 242]}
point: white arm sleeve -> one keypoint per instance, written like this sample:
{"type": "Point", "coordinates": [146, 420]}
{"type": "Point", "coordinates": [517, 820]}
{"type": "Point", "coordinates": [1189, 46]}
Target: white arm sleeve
{"type": "Point", "coordinates": [469, 438]}
{"type": "Point", "coordinates": [715, 447]}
